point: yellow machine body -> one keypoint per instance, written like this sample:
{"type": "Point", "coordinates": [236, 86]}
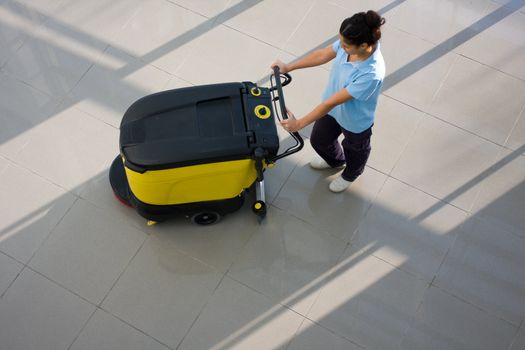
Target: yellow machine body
{"type": "Point", "coordinates": [190, 184]}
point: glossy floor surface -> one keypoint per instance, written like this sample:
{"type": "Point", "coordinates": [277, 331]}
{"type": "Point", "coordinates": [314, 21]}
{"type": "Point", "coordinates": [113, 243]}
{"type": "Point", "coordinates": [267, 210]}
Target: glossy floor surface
{"type": "Point", "coordinates": [426, 250]}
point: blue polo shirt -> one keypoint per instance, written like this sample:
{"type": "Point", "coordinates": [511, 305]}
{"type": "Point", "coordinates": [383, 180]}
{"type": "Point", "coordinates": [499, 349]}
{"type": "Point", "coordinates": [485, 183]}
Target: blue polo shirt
{"type": "Point", "coordinates": [363, 80]}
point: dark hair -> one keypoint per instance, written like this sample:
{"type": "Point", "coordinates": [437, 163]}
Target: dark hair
{"type": "Point", "coordinates": [362, 28]}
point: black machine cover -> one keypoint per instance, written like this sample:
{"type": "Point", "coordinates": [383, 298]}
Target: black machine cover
{"type": "Point", "coordinates": [196, 125]}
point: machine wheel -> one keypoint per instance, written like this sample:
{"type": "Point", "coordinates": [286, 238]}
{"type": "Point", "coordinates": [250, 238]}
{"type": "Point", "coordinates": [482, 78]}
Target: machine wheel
{"type": "Point", "coordinates": [205, 218]}
{"type": "Point", "coordinates": [119, 181]}
{"type": "Point", "coordinates": [259, 208]}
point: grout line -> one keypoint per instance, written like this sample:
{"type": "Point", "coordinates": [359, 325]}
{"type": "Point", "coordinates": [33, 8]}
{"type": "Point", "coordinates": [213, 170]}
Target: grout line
{"type": "Point", "coordinates": [96, 307]}
{"type": "Point", "coordinates": [285, 44]}
{"type": "Point", "coordinates": [193, 11]}
{"type": "Point", "coordinates": [14, 279]}
{"type": "Point", "coordinates": [132, 326]}
{"type": "Point", "coordinates": [123, 271]}
{"type": "Point", "coordinates": [413, 317]}
{"type": "Point", "coordinates": [200, 312]}
{"type": "Point", "coordinates": [51, 232]}
{"type": "Point", "coordinates": [521, 115]}
{"type": "Point", "coordinates": [82, 329]}
{"type": "Point", "coordinates": [60, 285]}
{"type": "Point", "coordinates": [295, 334]}
{"type": "Point", "coordinates": [443, 120]}
{"type": "Point", "coordinates": [479, 308]}
{"type": "Point", "coordinates": [93, 63]}
{"type": "Point", "coordinates": [440, 200]}
{"type": "Point", "coordinates": [41, 176]}
{"type": "Point", "coordinates": [405, 146]}
{"type": "Point", "coordinates": [444, 79]}
{"type": "Point", "coordinates": [513, 341]}
{"type": "Point", "coordinates": [489, 66]}
{"type": "Point", "coordinates": [449, 249]}
{"type": "Point", "coordinates": [284, 183]}
{"type": "Point", "coordinates": [335, 334]}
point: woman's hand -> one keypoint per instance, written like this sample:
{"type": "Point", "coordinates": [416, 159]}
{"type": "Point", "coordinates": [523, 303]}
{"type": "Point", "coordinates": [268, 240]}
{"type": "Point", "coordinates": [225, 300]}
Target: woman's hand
{"type": "Point", "coordinates": [291, 124]}
{"type": "Point", "coordinates": [283, 67]}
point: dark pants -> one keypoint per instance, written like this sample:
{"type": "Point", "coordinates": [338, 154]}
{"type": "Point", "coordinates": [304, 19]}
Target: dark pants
{"type": "Point", "coordinates": [355, 150]}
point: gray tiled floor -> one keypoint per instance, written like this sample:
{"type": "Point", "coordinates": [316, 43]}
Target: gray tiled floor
{"type": "Point", "coordinates": [425, 251]}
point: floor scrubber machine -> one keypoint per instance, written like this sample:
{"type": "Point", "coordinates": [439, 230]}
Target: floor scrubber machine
{"type": "Point", "coordinates": [196, 151]}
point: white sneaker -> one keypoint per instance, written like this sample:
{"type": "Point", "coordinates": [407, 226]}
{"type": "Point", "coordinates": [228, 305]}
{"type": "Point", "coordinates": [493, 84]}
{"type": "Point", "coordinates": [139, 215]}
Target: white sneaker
{"type": "Point", "coordinates": [339, 184]}
{"type": "Point", "coordinates": [319, 163]}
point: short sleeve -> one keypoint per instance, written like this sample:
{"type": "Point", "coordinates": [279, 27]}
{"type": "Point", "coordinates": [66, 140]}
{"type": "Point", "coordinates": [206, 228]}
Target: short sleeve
{"type": "Point", "coordinates": [363, 87]}
{"type": "Point", "coordinates": [336, 46]}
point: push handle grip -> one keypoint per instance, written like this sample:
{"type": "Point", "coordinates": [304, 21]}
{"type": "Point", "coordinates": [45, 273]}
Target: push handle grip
{"type": "Point", "coordinates": [284, 114]}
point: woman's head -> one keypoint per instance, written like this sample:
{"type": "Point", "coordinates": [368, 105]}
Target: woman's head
{"type": "Point", "coordinates": [361, 30]}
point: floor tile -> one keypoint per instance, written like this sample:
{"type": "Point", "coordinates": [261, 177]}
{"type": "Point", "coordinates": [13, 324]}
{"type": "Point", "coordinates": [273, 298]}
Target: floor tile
{"type": "Point", "coordinates": [502, 197]}
{"type": "Point", "coordinates": [517, 137]}
{"type": "Point", "coordinates": [31, 207]}
{"type": "Point", "coordinates": [474, 109]}
{"type": "Point", "coordinates": [98, 191]}
{"type": "Point", "coordinates": [484, 267]}
{"type": "Point", "coordinates": [217, 245]}
{"type": "Point", "coordinates": [166, 46]}
{"type": "Point", "coordinates": [106, 94]}
{"type": "Point", "coordinates": [235, 47]}
{"type": "Point", "coordinates": [313, 337]}
{"type": "Point", "coordinates": [276, 177]}
{"type": "Point", "coordinates": [415, 73]}
{"type": "Point", "coordinates": [162, 292]}
{"type": "Point", "coordinates": [87, 251]}
{"type": "Point", "coordinates": [254, 20]}
{"type": "Point", "coordinates": [444, 322]}
{"type": "Point", "coordinates": [206, 8]}
{"type": "Point", "coordinates": [446, 162]}
{"type": "Point", "coordinates": [21, 109]}
{"type": "Point", "coordinates": [286, 260]}
{"type": "Point", "coordinates": [437, 21]}
{"type": "Point", "coordinates": [105, 332]}
{"type": "Point", "coordinates": [3, 164]}
{"type": "Point", "coordinates": [237, 317]}
{"type": "Point", "coordinates": [368, 301]}
{"type": "Point", "coordinates": [176, 83]}
{"type": "Point", "coordinates": [519, 341]}
{"type": "Point", "coordinates": [306, 196]}
{"type": "Point", "coordinates": [512, 4]}
{"type": "Point", "coordinates": [54, 59]}
{"type": "Point", "coordinates": [501, 40]}
{"type": "Point", "coordinates": [16, 21]}
{"type": "Point", "coordinates": [45, 7]}
{"type": "Point", "coordinates": [410, 229]}
{"type": "Point", "coordinates": [394, 125]}
{"type": "Point", "coordinates": [35, 313]}
{"type": "Point", "coordinates": [70, 148]}
{"type": "Point", "coordinates": [98, 19]}
{"type": "Point", "coordinates": [320, 24]}
{"type": "Point", "coordinates": [386, 8]}
{"type": "Point", "coordinates": [9, 269]}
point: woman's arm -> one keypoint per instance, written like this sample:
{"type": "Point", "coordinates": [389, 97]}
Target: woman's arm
{"type": "Point", "coordinates": [292, 124]}
{"type": "Point", "coordinates": [316, 58]}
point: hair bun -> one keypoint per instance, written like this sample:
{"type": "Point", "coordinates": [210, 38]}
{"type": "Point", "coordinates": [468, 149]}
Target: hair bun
{"type": "Point", "coordinates": [373, 20]}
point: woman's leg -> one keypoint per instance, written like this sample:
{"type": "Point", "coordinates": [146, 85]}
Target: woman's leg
{"type": "Point", "coordinates": [356, 150]}
{"type": "Point", "coordinates": [324, 141]}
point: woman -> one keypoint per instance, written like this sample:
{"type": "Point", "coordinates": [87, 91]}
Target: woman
{"type": "Point", "coordinates": [350, 99]}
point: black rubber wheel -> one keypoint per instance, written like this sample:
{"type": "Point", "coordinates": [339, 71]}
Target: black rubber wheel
{"type": "Point", "coordinates": [259, 208]}
{"type": "Point", "coordinates": [205, 218]}
{"type": "Point", "coordinates": [119, 181]}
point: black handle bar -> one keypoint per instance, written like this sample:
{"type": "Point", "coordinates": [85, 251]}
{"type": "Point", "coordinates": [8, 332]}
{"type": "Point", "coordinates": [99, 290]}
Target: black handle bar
{"type": "Point", "coordinates": [284, 114]}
